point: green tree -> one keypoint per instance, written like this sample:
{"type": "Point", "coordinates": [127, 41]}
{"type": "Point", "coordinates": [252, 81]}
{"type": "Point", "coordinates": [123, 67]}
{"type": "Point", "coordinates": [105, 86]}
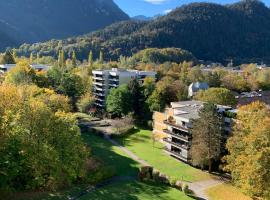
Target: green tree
{"type": "Point", "coordinates": [101, 57]}
{"type": "Point", "coordinates": [31, 58]}
{"type": "Point", "coordinates": [249, 153]}
{"type": "Point", "coordinates": [90, 62]}
{"type": "Point", "coordinates": [74, 59]}
{"type": "Point", "coordinates": [220, 96]}
{"type": "Point", "coordinates": [206, 136]}
{"type": "Point", "coordinates": [119, 101]}
{"type": "Point", "coordinates": [61, 59]}
{"type": "Point", "coordinates": [137, 99]}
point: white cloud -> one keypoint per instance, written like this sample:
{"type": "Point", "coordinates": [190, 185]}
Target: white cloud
{"type": "Point", "coordinates": [167, 11]}
{"type": "Point", "coordinates": [156, 1]}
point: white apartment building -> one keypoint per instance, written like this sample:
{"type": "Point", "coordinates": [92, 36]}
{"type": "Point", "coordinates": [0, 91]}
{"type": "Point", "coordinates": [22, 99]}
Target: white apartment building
{"type": "Point", "coordinates": [39, 67]}
{"type": "Point", "coordinates": [104, 80]}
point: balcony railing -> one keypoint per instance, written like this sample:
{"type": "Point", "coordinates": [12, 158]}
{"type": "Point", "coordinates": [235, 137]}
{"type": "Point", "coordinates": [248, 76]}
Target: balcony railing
{"type": "Point", "coordinates": [176, 144]}
{"type": "Point", "coordinates": [99, 94]}
{"type": "Point", "coordinates": [176, 125]}
{"type": "Point", "coordinates": [181, 137]}
{"type": "Point", "coordinates": [98, 78]}
{"type": "Point", "coordinates": [176, 154]}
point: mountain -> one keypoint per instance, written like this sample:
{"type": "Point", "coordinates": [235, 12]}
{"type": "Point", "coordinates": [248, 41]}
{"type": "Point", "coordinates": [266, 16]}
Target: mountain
{"type": "Point", "coordinates": [141, 18]}
{"type": "Point", "coordinates": [239, 31]}
{"type": "Point", "coordinates": [40, 20]}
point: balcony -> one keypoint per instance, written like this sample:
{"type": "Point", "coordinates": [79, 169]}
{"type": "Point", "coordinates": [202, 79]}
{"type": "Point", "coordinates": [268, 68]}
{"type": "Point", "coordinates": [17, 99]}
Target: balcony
{"type": "Point", "coordinates": [177, 126]}
{"type": "Point", "coordinates": [101, 78]}
{"type": "Point", "coordinates": [179, 136]}
{"type": "Point", "coordinates": [176, 154]}
{"type": "Point", "coordinates": [98, 83]}
{"type": "Point", "coordinates": [185, 147]}
{"type": "Point", "coordinates": [99, 94]}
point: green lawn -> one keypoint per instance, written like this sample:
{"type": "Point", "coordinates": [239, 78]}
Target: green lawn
{"type": "Point", "coordinates": [226, 192]}
{"type": "Point", "coordinates": [124, 166]}
{"type": "Point", "coordinates": [140, 143]}
{"type": "Point", "coordinates": [136, 190]}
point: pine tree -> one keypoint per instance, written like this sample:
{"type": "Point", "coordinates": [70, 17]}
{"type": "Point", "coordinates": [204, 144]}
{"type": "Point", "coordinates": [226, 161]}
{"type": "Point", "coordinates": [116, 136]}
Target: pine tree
{"type": "Point", "coordinates": [74, 59]}
{"type": "Point", "coordinates": [101, 57]}
{"type": "Point", "coordinates": [31, 59]}
{"type": "Point", "coordinates": [61, 59]}
{"type": "Point", "coordinates": [90, 63]}
{"type": "Point", "coordinates": [206, 136]}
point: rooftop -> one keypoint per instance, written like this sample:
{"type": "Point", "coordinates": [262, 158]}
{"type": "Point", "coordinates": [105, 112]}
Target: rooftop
{"type": "Point", "coordinates": [190, 109]}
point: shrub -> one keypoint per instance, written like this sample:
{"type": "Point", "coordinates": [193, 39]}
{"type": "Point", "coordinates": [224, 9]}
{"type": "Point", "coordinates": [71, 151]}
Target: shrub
{"type": "Point", "coordinates": [185, 188]}
{"type": "Point", "coordinates": [85, 103]}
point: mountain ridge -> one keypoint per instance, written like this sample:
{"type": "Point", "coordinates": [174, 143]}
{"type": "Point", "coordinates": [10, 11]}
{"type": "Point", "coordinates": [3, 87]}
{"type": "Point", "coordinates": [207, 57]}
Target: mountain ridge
{"type": "Point", "coordinates": [239, 31]}
{"type": "Point", "coordinates": [40, 20]}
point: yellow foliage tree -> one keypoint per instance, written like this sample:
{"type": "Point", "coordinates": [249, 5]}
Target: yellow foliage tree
{"type": "Point", "coordinates": [249, 150]}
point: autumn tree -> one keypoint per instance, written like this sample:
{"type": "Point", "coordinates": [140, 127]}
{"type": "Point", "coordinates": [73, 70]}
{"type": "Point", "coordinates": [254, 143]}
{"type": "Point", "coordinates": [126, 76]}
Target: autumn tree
{"type": "Point", "coordinates": [7, 58]}
{"type": "Point", "coordinates": [220, 96]}
{"type": "Point", "coordinates": [206, 137]}
{"type": "Point", "coordinates": [249, 152]}
{"type": "Point", "coordinates": [21, 74]}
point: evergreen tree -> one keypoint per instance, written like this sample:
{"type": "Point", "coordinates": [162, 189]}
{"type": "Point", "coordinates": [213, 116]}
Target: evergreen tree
{"type": "Point", "coordinates": [14, 54]}
{"type": "Point", "coordinates": [101, 57]}
{"type": "Point", "coordinates": [74, 59]}
{"type": "Point", "coordinates": [31, 59]}
{"type": "Point", "coordinates": [90, 63]}
{"type": "Point", "coordinates": [137, 99]}
{"type": "Point", "coordinates": [61, 59]}
{"type": "Point", "coordinates": [206, 136]}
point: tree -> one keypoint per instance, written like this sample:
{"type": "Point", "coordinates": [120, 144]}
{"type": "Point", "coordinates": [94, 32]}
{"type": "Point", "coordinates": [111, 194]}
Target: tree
{"type": "Point", "coordinates": [167, 90]}
{"type": "Point", "coordinates": [21, 74]}
{"type": "Point", "coordinates": [206, 136]}
{"type": "Point", "coordinates": [90, 62]}
{"type": "Point", "coordinates": [86, 102]}
{"type": "Point", "coordinates": [249, 153]}
{"type": "Point", "coordinates": [41, 146]}
{"type": "Point", "coordinates": [61, 59]}
{"type": "Point", "coordinates": [101, 57]}
{"type": "Point", "coordinates": [74, 59]}
{"type": "Point", "coordinates": [220, 96]}
{"type": "Point", "coordinates": [148, 86]}
{"type": "Point", "coordinates": [235, 82]}
{"type": "Point", "coordinates": [7, 58]}
{"type": "Point", "coordinates": [31, 59]}
{"type": "Point", "coordinates": [119, 102]}
{"type": "Point", "coordinates": [137, 99]}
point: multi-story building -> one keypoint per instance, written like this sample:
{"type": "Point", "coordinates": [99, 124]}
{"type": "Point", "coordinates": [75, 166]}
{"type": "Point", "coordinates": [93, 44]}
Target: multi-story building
{"type": "Point", "coordinates": [104, 80]}
{"type": "Point", "coordinates": [174, 125]}
{"type": "Point", "coordinates": [39, 67]}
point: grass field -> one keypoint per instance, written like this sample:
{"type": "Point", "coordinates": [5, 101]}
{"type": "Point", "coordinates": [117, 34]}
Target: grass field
{"type": "Point", "coordinates": [226, 192]}
{"type": "Point", "coordinates": [124, 166]}
{"type": "Point", "coordinates": [141, 144]}
{"type": "Point", "coordinates": [136, 190]}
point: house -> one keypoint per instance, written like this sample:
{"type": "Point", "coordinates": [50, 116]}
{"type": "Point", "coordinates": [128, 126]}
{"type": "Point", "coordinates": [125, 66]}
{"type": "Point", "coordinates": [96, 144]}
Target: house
{"type": "Point", "coordinates": [174, 127]}
{"type": "Point", "coordinates": [195, 87]}
{"type": "Point", "coordinates": [104, 80]}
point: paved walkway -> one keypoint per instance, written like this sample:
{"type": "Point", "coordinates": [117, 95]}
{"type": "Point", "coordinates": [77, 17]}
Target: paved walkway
{"type": "Point", "coordinates": [200, 187]}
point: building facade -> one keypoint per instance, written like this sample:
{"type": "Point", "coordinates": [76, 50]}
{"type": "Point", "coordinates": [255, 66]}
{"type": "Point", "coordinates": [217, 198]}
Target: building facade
{"type": "Point", "coordinates": [174, 127]}
{"type": "Point", "coordinates": [104, 80]}
{"type": "Point", "coordinates": [7, 67]}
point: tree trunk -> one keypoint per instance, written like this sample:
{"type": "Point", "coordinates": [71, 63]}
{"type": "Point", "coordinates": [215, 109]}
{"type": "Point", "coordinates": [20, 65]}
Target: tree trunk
{"type": "Point", "coordinates": [210, 165]}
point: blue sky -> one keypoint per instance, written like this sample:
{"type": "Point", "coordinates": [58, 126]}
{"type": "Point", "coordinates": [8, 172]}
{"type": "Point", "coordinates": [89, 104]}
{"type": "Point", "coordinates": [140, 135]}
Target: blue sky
{"type": "Point", "coordinates": [154, 7]}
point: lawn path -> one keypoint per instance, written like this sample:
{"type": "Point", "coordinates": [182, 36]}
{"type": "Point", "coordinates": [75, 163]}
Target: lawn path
{"type": "Point", "coordinates": [200, 187]}
{"type": "Point", "coordinates": [128, 152]}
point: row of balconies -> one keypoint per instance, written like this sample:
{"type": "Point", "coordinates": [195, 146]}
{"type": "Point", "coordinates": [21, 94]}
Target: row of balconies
{"type": "Point", "coordinates": [176, 144]}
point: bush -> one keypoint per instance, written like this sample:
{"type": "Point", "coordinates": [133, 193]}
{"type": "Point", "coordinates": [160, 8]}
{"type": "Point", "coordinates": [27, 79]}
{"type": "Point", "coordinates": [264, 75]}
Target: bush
{"type": "Point", "coordinates": [122, 127]}
{"type": "Point", "coordinates": [185, 188]}
{"type": "Point", "coordinates": [85, 103]}
{"type": "Point", "coordinates": [146, 173]}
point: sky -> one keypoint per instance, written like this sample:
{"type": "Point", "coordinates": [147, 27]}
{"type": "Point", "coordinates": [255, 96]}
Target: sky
{"type": "Point", "coordinates": [151, 8]}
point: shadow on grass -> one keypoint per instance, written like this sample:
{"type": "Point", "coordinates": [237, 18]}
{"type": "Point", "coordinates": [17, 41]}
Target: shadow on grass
{"type": "Point", "coordinates": [130, 191]}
